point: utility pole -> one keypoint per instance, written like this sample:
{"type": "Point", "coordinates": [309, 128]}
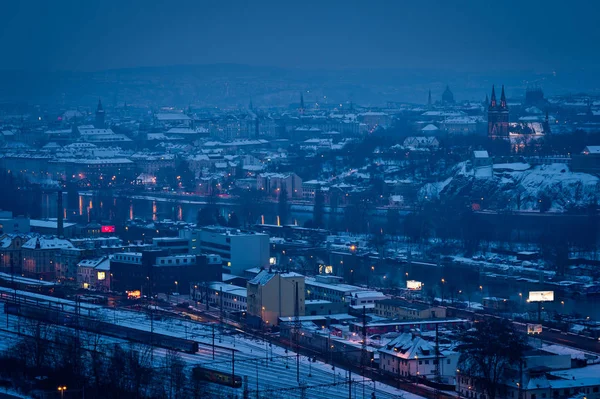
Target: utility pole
{"type": "Point", "coordinates": [349, 384]}
{"type": "Point", "coordinates": [213, 341]}
{"type": "Point", "coordinates": [221, 312]}
{"type": "Point", "coordinates": [520, 395]}
{"type": "Point", "coordinates": [297, 328]}
{"type": "Point", "coordinates": [257, 379]}
{"type": "Point", "coordinates": [437, 361]}
{"type": "Point", "coordinates": [232, 365]}
{"type": "Point", "coordinates": [266, 352]}
{"type": "Point", "coordinates": [149, 301]}
{"type": "Point", "coordinates": [364, 341]}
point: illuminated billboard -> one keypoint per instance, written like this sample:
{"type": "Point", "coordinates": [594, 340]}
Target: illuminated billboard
{"type": "Point", "coordinates": [107, 229]}
{"type": "Point", "coordinates": [133, 294]}
{"type": "Point", "coordinates": [534, 329]}
{"type": "Point", "coordinates": [541, 296]}
{"type": "Point", "coordinates": [414, 285]}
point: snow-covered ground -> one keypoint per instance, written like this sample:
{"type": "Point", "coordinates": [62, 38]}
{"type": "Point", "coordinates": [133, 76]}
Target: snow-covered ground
{"type": "Point", "coordinates": [520, 187]}
{"type": "Point", "coordinates": [271, 368]}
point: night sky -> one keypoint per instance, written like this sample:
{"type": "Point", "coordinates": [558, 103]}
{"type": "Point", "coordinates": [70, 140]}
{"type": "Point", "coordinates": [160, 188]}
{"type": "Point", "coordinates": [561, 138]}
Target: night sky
{"type": "Point", "coordinates": [87, 35]}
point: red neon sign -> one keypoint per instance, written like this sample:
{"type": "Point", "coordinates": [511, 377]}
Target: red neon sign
{"type": "Point", "coordinates": [107, 229]}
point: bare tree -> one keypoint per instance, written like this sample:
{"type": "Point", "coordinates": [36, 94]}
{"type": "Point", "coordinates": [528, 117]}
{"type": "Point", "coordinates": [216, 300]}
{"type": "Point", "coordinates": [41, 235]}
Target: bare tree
{"type": "Point", "coordinates": [33, 350]}
{"type": "Point", "coordinates": [176, 374]}
{"type": "Point", "coordinates": [488, 351]}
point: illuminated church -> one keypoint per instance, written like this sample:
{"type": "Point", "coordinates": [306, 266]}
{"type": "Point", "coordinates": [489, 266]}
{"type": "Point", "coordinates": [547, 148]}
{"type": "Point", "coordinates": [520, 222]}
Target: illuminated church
{"type": "Point", "coordinates": [498, 117]}
{"type": "Point", "coordinates": [520, 134]}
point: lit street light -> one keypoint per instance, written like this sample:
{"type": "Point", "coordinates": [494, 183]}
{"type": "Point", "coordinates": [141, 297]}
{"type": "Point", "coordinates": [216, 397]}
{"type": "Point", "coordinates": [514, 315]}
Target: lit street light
{"type": "Point", "coordinates": [62, 391]}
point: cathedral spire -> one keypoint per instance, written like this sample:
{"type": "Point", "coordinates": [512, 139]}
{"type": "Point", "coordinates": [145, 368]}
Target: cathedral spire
{"type": "Point", "coordinates": [502, 99]}
{"type": "Point", "coordinates": [493, 99]}
{"type": "Point", "coordinates": [429, 98]}
{"type": "Point", "coordinates": [99, 124]}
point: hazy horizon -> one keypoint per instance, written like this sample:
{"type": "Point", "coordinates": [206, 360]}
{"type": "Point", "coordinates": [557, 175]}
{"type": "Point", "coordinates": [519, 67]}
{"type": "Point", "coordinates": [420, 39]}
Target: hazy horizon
{"type": "Point", "coordinates": [466, 37]}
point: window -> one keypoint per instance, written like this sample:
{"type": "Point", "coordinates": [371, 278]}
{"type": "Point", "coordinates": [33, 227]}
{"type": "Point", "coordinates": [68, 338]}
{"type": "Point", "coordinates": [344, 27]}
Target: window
{"type": "Point", "coordinates": [533, 396]}
{"type": "Point", "coordinates": [448, 361]}
{"type": "Point", "coordinates": [595, 389]}
{"type": "Point", "coordinates": [420, 362]}
{"type": "Point", "coordinates": [426, 361]}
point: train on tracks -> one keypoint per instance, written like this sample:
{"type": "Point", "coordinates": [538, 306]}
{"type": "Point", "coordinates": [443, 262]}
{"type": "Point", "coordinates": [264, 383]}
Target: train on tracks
{"type": "Point", "coordinates": [217, 377]}
{"type": "Point", "coordinates": [55, 316]}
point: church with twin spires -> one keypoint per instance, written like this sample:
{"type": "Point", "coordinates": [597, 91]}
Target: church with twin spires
{"type": "Point", "coordinates": [498, 117]}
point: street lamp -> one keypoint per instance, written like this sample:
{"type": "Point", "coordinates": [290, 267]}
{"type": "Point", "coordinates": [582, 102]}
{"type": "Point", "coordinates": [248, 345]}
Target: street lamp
{"type": "Point", "coordinates": [176, 287]}
{"type": "Point", "coordinates": [417, 363]}
{"type": "Point", "coordinates": [62, 390]}
{"type": "Point", "coordinates": [443, 283]}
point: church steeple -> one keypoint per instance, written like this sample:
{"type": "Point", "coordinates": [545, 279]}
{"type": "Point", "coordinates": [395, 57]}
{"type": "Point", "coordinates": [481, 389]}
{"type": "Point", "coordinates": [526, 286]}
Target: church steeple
{"type": "Point", "coordinates": [99, 116]}
{"type": "Point", "coordinates": [493, 100]}
{"type": "Point", "coordinates": [429, 98]}
{"type": "Point", "coordinates": [498, 127]}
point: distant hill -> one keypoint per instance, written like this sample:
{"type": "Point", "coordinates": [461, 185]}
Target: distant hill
{"type": "Point", "coordinates": [232, 85]}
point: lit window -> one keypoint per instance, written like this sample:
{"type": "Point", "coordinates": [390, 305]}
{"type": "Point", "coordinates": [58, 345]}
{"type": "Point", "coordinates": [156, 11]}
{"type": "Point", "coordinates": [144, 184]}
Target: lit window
{"type": "Point", "coordinates": [101, 275]}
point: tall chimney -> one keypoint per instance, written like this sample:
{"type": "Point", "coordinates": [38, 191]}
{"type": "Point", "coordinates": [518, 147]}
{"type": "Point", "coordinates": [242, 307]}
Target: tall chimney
{"type": "Point", "coordinates": [59, 216]}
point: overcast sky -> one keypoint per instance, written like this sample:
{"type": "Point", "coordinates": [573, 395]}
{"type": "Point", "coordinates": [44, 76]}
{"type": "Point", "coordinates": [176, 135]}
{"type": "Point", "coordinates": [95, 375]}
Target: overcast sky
{"type": "Point", "coordinates": [476, 35]}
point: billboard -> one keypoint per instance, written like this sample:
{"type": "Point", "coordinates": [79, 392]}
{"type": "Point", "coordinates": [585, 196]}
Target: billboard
{"type": "Point", "coordinates": [541, 296]}
{"type": "Point", "coordinates": [413, 285]}
{"type": "Point", "coordinates": [534, 329]}
{"type": "Point", "coordinates": [133, 294]}
{"type": "Point", "coordinates": [107, 229]}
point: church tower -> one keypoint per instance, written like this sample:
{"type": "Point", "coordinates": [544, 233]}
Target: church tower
{"type": "Point", "coordinates": [498, 117]}
{"type": "Point", "coordinates": [99, 124]}
{"type": "Point", "coordinates": [301, 109]}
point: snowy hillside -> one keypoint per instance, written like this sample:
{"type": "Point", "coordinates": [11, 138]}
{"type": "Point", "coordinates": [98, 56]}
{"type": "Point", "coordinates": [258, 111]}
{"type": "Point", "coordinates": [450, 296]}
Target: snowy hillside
{"type": "Point", "coordinates": [518, 186]}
